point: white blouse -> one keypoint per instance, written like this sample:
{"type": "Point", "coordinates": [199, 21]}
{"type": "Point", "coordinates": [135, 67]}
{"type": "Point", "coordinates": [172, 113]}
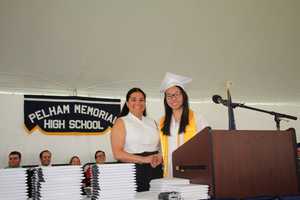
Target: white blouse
{"type": "Point", "coordinates": [174, 127]}
{"type": "Point", "coordinates": [141, 135]}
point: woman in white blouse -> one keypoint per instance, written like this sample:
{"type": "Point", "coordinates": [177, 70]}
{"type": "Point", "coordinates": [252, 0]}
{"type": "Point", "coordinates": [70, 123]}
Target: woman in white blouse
{"type": "Point", "coordinates": [135, 139]}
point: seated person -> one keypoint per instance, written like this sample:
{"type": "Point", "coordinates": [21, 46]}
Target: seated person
{"type": "Point", "coordinates": [100, 158]}
{"type": "Point", "coordinates": [298, 159]}
{"type": "Point", "coordinates": [45, 158]}
{"type": "Point", "coordinates": [298, 150]}
{"type": "Point", "coordinates": [75, 160]}
{"type": "Point", "coordinates": [14, 159]}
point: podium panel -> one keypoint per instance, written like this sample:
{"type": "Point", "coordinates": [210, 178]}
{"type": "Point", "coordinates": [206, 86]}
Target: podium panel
{"type": "Point", "coordinates": [240, 163]}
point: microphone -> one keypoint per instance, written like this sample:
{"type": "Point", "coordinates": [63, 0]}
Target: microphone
{"type": "Point", "coordinates": [218, 99]}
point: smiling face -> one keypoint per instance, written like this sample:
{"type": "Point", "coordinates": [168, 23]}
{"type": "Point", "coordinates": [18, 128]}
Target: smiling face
{"type": "Point", "coordinates": [174, 98]}
{"type": "Point", "coordinates": [100, 157]}
{"type": "Point", "coordinates": [136, 104]}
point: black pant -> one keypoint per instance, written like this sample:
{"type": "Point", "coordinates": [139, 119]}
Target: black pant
{"type": "Point", "coordinates": [145, 173]}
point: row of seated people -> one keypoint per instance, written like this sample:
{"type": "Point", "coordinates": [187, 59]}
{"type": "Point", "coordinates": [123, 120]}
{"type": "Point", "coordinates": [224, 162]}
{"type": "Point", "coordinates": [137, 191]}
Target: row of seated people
{"type": "Point", "coordinates": [15, 158]}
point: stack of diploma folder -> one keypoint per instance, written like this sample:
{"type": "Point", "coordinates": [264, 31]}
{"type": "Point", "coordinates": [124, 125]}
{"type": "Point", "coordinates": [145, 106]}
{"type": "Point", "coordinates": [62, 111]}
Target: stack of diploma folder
{"type": "Point", "coordinates": [113, 181]}
{"type": "Point", "coordinates": [13, 184]}
{"type": "Point", "coordinates": [54, 183]}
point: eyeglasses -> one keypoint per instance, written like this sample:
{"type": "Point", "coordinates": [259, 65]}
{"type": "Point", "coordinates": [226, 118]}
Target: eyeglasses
{"type": "Point", "coordinates": [171, 96]}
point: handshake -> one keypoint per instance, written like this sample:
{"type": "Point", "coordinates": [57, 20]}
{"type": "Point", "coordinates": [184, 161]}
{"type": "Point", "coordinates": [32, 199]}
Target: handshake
{"type": "Point", "coordinates": [154, 160]}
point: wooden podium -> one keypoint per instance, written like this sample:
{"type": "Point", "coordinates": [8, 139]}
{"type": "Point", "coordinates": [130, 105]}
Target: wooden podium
{"type": "Point", "coordinates": [240, 163]}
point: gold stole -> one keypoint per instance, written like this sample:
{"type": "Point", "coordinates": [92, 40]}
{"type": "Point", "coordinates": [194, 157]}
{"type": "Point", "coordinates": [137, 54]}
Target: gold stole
{"type": "Point", "coordinates": [190, 131]}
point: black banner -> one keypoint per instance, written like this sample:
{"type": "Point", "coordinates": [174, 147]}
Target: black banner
{"type": "Point", "coordinates": [70, 115]}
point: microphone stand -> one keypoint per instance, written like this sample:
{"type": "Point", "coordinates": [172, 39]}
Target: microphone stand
{"type": "Point", "coordinates": [277, 116]}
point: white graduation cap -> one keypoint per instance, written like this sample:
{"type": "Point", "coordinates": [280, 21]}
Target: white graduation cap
{"type": "Point", "coordinates": [171, 80]}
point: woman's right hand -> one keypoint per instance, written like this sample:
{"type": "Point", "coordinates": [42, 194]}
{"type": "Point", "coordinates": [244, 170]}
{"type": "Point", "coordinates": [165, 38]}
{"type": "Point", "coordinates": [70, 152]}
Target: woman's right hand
{"type": "Point", "coordinates": [148, 159]}
{"type": "Point", "coordinates": [153, 160]}
{"type": "Point", "coordinates": [156, 160]}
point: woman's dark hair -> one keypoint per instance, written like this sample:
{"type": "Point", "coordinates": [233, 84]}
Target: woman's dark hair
{"type": "Point", "coordinates": [184, 121]}
{"type": "Point", "coordinates": [73, 157]}
{"type": "Point", "coordinates": [125, 109]}
{"type": "Point", "coordinates": [99, 151]}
